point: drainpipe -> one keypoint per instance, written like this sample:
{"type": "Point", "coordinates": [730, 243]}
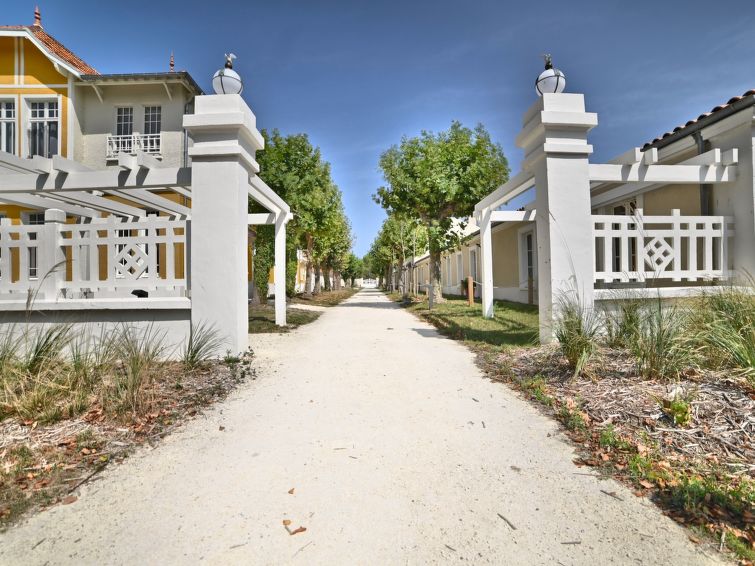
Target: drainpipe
{"type": "Point", "coordinates": [706, 191]}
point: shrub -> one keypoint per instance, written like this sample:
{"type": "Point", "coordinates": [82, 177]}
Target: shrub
{"type": "Point", "coordinates": [725, 330]}
{"type": "Point", "coordinates": [623, 324]}
{"type": "Point", "coordinates": [204, 343]}
{"type": "Point", "coordinates": [138, 352]}
{"type": "Point", "coordinates": [660, 347]}
{"type": "Point", "coordinates": [44, 346]}
{"type": "Point", "coordinates": [576, 331]}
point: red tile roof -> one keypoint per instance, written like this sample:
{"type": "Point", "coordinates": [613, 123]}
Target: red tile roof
{"type": "Point", "coordinates": [717, 113]}
{"type": "Point", "coordinates": [56, 48]}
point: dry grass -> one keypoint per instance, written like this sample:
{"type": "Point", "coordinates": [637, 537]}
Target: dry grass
{"type": "Point", "coordinates": [325, 298]}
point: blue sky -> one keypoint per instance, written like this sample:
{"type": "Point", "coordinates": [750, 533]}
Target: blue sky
{"type": "Point", "coordinates": [357, 75]}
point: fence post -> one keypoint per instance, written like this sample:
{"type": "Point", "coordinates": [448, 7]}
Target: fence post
{"type": "Point", "coordinates": [554, 138]}
{"type": "Point", "coordinates": [225, 137]}
{"type": "Point", "coordinates": [51, 259]}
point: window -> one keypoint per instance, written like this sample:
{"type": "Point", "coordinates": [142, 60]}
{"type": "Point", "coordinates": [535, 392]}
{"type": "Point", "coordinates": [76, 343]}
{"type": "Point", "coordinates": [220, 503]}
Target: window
{"type": "Point", "coordinates": [43, 133]}
{"type": "Point", "coordinates": [473, 264]}
{"type": "Point", "coordinates": [34, 218]}
{"type": "Point", "coordinates": [8, 126]}
{"type": "Point", "coordinates": [124, 121]}
{"type": "Point", "coordinates": [152, 120]}
{"type": "Point", "coordinates": [527, 258]}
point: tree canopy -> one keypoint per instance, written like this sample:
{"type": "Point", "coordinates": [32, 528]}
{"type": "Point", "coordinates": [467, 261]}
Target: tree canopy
{"type": "Point", "coordinates": [435, 178]}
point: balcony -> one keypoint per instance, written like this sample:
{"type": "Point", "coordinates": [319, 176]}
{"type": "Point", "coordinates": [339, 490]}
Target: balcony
{"type": "Point", "coordinates": [134, 143]}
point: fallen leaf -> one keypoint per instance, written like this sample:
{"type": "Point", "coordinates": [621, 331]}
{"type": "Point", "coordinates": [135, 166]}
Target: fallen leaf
{"type": "Point", "coordinates": [69, 499]}
{"type": "Point", "coordinates": [291, 491]}
{"type": "Point", "coordinates": [299, 530]}
{"type": "Point", "coordinates": [646, 484]}
{"type": "Point", "coordinates": [221, 427]}
{"type": "Point", "coordinates": [286, 522]}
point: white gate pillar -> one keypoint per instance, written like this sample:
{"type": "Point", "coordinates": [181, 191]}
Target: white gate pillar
{"type": "Point", "coordinates": [225, 137]}
{"type": "Point", "coordinates": [554, 138]}
{"type": "Point", "coordinates": [486, 249]}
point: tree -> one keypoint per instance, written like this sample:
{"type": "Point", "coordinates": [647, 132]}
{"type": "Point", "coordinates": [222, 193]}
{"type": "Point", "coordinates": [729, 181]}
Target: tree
{"type": "Point", "coordinates": [353, 269]}
{"type": "Point", "coordinates": [436, 177]}
{"type": "Point", "coordinates": [295, 170]}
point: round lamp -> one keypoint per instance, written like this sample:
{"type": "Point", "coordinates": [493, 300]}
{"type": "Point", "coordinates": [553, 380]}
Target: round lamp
{"type": "Point", "coordinates": [226, 80]}
{"type": "Point", "coordinates": [550, 80]}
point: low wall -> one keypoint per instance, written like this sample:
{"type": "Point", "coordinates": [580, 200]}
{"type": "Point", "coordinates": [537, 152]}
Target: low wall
{"type": "Point", "coordinates": [167, 318]}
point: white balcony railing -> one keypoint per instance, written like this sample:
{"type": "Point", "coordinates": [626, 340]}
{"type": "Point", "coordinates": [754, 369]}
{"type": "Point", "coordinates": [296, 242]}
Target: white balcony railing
{"type": "Point", "coordinates": [134, 143]}
{"type": "Point", "coordinates": [638, 248]}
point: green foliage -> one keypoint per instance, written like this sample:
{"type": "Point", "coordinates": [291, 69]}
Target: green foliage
{"type": "Point", "coordinates": [576, 329]}
{"type": "Point", "coordinates": [536, 388]}
{"type": "Point", "coordinates": [623, 324]}
{"type": "Point", "coordinates": [295, 170]}
{"type": "Point", "coordinates": [44, 345]}
{"type": "Point", "coordinates": [609, 439]}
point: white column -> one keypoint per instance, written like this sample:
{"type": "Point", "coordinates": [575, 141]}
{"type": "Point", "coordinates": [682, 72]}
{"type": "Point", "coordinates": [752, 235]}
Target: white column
{"type": "Point", "coordinates": [225, 137]}
{"type": "Point", "coordinates": [554, 138]}
{"type": "Point", "coordinates": [51, 266]}
{"type": "Point", "coordinates": [279, 272]}
{"type": "Point", "coordinates": [486, 249]}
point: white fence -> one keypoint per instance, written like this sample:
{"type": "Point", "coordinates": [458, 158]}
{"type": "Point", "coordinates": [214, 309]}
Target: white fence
{"type": "Point", "coordinates": [105, 258]}
{"type": "Point", "coordinates": [636, 249]}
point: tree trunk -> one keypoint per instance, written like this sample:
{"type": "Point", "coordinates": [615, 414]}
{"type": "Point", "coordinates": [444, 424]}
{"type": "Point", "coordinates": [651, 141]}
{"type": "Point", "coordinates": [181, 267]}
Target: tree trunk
{"type": "Point", "coordinates": [336, 280]}
{"type": "Point", "coordinates": [308, 279]}
{"type": "Point", "coordinates": [254, 296]}
{"type": "Point", "coordinates": [435, 283]}
{"type": "Point", "coordinates": [318, 284]}
{"type": "Point", "coordinates": [328, 285]}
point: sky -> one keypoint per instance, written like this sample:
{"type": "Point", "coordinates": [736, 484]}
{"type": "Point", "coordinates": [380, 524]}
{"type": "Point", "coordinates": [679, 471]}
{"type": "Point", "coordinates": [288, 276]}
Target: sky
{"type": "Point", "coordinates": [357, 75]}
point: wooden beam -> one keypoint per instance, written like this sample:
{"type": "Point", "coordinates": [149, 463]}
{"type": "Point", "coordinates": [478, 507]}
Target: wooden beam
{"type": "Point", "coordinates": [266, 196]}
{"type": "Point", "coordinates": [151, 200]}
{"type": "Point", "coordinates": [99, 203]}
{"type": "Point", "coordinates": [68, 165]}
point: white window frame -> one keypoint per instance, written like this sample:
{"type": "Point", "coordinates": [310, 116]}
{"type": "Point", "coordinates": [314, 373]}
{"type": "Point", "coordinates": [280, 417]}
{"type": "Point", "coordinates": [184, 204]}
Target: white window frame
{"type": "Point", "coordinates": [115, 119]}
{"type": "Point", "coordinates": [459, 266]}
{"type": "Point", "coordinates": [25, 109]}
{"type": "Point", "coordinates": [473, 263]}
{"type": "Point", "coordinates": [522, 234]}
{"type": "Point", "coordinates": [144, 118]}
{"type": "Point", "coordinates": [13, 120]}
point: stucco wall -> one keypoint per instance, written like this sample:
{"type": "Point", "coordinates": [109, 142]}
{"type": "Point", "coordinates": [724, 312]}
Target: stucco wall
{"type": "Point", "coordinates": [98, 119]}
{"type": "Point", "coordinates": [663, 200]}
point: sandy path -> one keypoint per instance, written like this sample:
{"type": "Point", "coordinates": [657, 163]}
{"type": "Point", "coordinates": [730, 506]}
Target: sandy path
{"type": "Point", "coordinates": [377, 423]}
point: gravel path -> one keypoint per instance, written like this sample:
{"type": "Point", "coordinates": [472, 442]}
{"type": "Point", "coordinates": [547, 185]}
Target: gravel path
{"type": "Point", "coordinates": [398, 451]}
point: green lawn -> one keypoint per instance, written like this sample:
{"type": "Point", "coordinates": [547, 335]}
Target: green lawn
{"type": "Point", "coordinates": [513, 324]}
{"type": "Point", "coordinates": [262, 319]}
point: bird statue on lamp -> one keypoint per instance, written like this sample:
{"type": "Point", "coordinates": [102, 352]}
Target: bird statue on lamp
{"type": "Point", "coordinates": [226, 80]}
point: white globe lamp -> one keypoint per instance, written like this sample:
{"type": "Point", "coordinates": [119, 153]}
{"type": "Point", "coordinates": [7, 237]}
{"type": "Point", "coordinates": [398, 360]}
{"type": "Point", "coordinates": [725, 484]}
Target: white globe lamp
{"type": "Point", "coordinates": [550, 80]}
{"type": "Point", "coordinates": [226, 80]}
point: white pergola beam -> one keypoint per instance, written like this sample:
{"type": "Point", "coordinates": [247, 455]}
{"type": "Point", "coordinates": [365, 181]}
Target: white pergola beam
{"type": "Point", "coordinates": [509, 190]}
{"type": "Point", "coordinates": [274, 203]}
{"type": "Point", "coordinates": [68, 165]}
{"type": "Point", "coordinates": [512, 215]}
{"type": "Point", "coordinates": [721, 169]}
{"type": "Point", "coordinates": [143, 196]}
{"type": "Point", "coordinates": [97, 202]}
{"type": "Point", "coordinates": [44, 203]}
{"type": "Point", "coordinates": [664, 174]}
{"type": "Point", "coordinates": [107, 179]}
{"type": "Point", "coordinates": [261, 218]}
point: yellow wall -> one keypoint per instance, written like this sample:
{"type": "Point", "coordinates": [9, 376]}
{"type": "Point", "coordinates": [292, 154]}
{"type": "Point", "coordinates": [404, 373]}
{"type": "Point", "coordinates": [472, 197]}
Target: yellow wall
{"type": "Point", "coordinates": [661, 201]}
{"type": "Point", "coordinates": [7, 60]}
{"type": "Point", "coordinates": [506, 256]}
{"type": "Point", "coordinates": [37, 70]}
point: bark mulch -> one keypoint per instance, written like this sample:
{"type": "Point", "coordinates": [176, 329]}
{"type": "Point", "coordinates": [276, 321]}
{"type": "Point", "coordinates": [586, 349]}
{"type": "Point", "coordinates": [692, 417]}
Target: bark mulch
{"type": "Point", "coordinates": [43, 465]}
{"type": "Point", "coordinates": [689, 444]}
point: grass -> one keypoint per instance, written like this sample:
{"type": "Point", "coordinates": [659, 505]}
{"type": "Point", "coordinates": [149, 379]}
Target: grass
{"type": "Point", "coordinates": [325, 298]}
{"type": "Point", "coordinates": [262, 319]}
{"type": "Point", "coordinates": [576, 330]}
{"type": "Point", "coordinates": [513, 324]}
